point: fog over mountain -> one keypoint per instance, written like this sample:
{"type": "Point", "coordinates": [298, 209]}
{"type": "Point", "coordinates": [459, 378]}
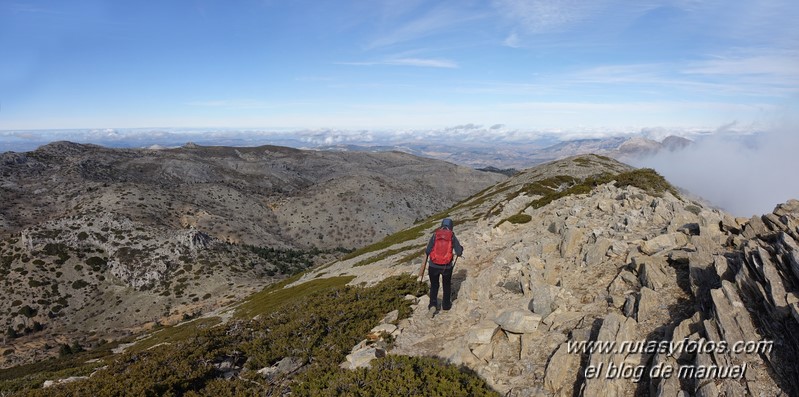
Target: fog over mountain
{"type": "Point", "coordinates": [744, 175]}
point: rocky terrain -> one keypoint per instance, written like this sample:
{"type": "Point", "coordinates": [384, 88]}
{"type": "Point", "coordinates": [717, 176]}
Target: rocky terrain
{"type": "Point", "coordinates": [560, 260]}
{"type": "Point", "coordinates": [608, 263]}
{"type": "Point", "coordinates": [98, 243]}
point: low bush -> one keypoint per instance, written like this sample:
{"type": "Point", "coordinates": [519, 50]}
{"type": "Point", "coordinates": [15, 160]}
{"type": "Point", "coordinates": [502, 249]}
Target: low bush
{"type": "Point", "coordinates": [317, 324]}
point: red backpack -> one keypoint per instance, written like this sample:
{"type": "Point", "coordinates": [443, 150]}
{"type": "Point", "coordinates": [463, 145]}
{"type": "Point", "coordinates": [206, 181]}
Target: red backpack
{"type": "Point", "coordinates": [442, 247]}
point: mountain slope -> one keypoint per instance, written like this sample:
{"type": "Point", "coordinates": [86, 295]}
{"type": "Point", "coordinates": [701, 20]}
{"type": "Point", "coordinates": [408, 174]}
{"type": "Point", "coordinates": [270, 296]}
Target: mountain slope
{"type": "Point", "coordinates": [265, 195]}
{"type": "Point", "coordinates": [619, 261]}
{"type": "Point", "coordinates": [98, 243]}
{"type": "Point", "coordinates": [585, 249]}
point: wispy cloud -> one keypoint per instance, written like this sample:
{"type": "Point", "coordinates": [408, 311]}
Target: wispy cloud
{"type": "Point", "coordinates": [512, 41]}
{"type": "Point", "coordinates": [417, 62]}
{"type": "Point", "coordinates": [441, 18]}
{"type": "Point", "coordinates": [543, 16]}
{"type": "Point", "coordinates": [766, 75]}
{"type": "Point", "coordinates": [32, 9]}
{"type": "Point", "coordinates": [784, 66]}
{"type": "Point", "coordinates": [246, 104]}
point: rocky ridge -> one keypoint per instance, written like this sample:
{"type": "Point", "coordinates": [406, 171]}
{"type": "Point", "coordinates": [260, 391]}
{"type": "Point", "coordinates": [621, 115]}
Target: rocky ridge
{"type": "Point", "coordinates": [608, 263]}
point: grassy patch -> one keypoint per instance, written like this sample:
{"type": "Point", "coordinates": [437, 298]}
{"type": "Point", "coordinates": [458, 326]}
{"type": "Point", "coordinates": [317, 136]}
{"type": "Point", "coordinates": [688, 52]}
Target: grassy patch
{"type": "Point", "coordinates": [396, 238]}
{"type": "Point", "coordinates": [384, 255]}
{"type": "Point", "coordinates": [168, 335]}
{"type": "Point", "coordinates": [275, 296]}
{"type": "Point", "coordinates": [560, 186]}
{"type": "Point", "coordinates": [517, 219]}
{"type": "Point", "coordinates": [412, 256]}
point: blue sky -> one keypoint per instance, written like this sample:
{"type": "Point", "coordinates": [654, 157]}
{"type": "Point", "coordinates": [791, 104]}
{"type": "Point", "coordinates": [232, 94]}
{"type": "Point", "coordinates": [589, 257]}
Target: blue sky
{"type": "Point", "coordinates": [398, 64]}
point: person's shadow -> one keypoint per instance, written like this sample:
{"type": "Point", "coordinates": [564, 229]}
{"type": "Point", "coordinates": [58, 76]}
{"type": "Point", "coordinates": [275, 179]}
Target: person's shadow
{"type": "Point", "coordinates": [457, 278]}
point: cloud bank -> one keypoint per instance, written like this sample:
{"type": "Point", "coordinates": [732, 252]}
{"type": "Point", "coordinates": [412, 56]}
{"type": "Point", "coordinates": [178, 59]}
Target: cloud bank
{"type": "Point", "coordinates": [743, 174]}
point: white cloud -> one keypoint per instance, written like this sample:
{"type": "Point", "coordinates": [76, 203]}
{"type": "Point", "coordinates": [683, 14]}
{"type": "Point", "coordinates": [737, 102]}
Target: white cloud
{"type": "Point", "coordinates": [553, 16]}
{"type": "Point", "coordinates": [417, 62]}
{"type": "Point", "coordinates": [440, 18]}
{"type": "Point", "coordinates": [744, 174]}
{"type": "Point", "coordinates": [431, 63]}
{"type": "Point", "coordinates": [512, 41]}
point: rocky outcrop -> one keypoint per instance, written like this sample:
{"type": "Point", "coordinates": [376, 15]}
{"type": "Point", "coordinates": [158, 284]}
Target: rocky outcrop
{"type": "Point", "coordinates": [616, 292]}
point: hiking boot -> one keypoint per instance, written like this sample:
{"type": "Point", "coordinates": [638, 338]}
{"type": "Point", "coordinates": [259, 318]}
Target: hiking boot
{"type": "Point", "coordinates": [431, 311]}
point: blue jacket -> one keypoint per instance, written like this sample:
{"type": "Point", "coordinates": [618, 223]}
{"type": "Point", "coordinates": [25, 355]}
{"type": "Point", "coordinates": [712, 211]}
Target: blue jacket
{"type": "Point", "coordinates": [456, 246]}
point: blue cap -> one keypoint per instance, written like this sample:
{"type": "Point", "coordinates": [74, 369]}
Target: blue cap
{"type": "Point", "coordinates": [447, 223]}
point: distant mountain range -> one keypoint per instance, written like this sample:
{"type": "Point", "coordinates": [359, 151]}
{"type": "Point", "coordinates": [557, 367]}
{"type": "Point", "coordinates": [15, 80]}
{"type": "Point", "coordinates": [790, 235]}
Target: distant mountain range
{"type": "Point", "coordinates": [472, 146]}
{"type": "Point", "coordinates": [520, 156]}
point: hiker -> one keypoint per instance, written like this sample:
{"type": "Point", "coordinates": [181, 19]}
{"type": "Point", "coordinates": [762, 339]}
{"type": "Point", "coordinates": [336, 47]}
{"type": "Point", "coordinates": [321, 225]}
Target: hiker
{"type": "Point", "coordinates": [439, 251]}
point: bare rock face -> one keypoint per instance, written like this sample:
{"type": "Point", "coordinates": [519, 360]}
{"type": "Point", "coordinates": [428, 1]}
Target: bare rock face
{"type": "Point", "coordinates": [616, 368]}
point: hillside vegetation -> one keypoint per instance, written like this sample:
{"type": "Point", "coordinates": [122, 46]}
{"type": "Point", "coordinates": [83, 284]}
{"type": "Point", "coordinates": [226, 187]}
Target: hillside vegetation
{"type": "Point", "coordinates": [573, 252]}
{"type": "Point", "coordinates": [314, 324]}
{"type": "Point", "coordinates": [98, 244]}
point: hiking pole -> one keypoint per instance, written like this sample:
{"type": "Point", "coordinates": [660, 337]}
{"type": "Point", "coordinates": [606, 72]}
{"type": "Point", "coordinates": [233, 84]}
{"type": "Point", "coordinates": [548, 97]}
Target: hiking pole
{"type": "Point", "coordinates": [421, 271]}
{"type": "Point", "coordinates": [456, 260]}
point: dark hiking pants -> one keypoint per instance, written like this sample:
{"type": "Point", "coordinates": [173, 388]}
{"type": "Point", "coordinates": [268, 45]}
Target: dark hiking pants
{"type": "Point", "coordinates": [446, 274]}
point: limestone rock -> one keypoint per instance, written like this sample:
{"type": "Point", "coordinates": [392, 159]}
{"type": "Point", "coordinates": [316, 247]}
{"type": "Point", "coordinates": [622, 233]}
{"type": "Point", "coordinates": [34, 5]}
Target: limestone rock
{"type": "Point", "coordinates": [776, 286]}
{"type": "Point", "coordinates": [648, 304]}
{"type": "Point", "coordinates": [561, 320]}
{"type": "Point", "coordinates": [652, 274]}
{"type": "Point", "coordinates": [392, 316]}
{"type": "Point", "coordinates": [518, 321]}
{"type": "Point", "coordinates": [561, 372]}
{"type": "Point", "coordinates": [285, 366]}
{"type": "Point", "coordinates": [597, 252]}
{"type": "Point", "coordinates": [363, 357]}
{"type": "Point", "coordinates": [616, 328]}
{"type": "Point", "coordinates": [51, 383]}
{"type": "Point", "coordinates": [730, 315]}
{"type": "Point", "coordinates": [790, 207]}
{"type": "Point", "coordinates": [663, 242]}
{"type": "Point", "coordinates": [629, 306]}
{"type": "Point", "coordinates": [730, 225]}
{"type": "Point", "coordinates": [570, 243]}
{"type": "Point", "coordinates": [755, 228]}
{"type": "Point", "coordinates": [484, 352]}
{"type": "Point", "coordinates": [624, 283]}
{"type": "Point", "coordinates": [387, 328]}
{"type": "Point", "coordinates": [507, 346]}
{"type": "Point", "coordinates": [482, 332]}
{"type": "Point", "coordinates": [542, 301]}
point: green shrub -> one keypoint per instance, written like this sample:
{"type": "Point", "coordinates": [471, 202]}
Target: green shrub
{"type": "Point", "coordinates": [78, 284]}
{"type": "Point", "coordinates": [318, 323]}
{"type": "Point", "coordinates": [395, 376]}
{"type": "Point", "coordinates": [693, 209]}
{"type": "Point", "coordinates": [96, 263]}
{"type": "Point", "coordinates": [646, 179]}
{"type": "Point", "coordinates": [27, 311]}
{"type": "Point", "coordinates": [519, 218]}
